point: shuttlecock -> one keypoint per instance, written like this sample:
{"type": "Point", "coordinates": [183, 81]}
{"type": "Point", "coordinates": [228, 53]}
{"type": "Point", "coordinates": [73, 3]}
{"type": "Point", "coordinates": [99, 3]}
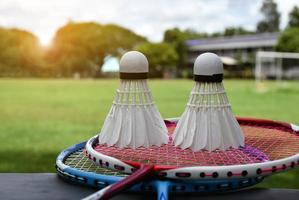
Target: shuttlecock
{"type": "Point", "coordinates": [133, 120]}
{"type": "Point", "coordinates": [207, 122]}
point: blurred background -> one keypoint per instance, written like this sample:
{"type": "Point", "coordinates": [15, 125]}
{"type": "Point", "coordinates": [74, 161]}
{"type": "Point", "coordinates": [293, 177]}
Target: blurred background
{"type": "Point", "coordinates": [59, 63]}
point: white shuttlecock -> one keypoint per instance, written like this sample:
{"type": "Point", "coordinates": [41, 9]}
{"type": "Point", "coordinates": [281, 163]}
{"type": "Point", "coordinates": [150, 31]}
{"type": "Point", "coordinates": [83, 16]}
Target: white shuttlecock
{"type": "Point", "coordinates": [133, 120]}
{"type": "Point", "coordinates": [208, 122]}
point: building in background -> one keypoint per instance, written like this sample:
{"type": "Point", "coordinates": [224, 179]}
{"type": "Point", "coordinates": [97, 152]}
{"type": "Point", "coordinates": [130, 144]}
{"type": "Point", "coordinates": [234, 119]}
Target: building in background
{"type": "Point", "coordinates": [237, 52]}
{"type": "Point", "coordinates": [240, 46]}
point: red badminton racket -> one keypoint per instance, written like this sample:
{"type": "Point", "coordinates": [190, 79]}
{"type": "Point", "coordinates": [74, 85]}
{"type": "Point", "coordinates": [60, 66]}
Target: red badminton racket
{"type": "Point", "coordinates": [270, 147]}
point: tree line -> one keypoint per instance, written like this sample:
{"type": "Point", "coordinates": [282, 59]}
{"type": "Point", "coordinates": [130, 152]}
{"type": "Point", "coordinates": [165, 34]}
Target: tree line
{"type": "Point", "coordinates": [82, 47]}
{"type": "Point", "coordinates": [76, 48]}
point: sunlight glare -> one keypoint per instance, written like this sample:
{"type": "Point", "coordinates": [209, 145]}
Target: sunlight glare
{"type": "Point", "coordinates": [45, 40]}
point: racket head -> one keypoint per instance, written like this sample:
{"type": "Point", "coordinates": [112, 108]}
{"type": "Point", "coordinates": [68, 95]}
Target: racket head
{"type": "Point", "coordinates": [73, 166]}
{"type": "Point", "coordinates": [271, 147]}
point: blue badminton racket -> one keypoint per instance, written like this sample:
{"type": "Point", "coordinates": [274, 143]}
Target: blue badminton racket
{"type": "Point", "coordinates": [73, 166]}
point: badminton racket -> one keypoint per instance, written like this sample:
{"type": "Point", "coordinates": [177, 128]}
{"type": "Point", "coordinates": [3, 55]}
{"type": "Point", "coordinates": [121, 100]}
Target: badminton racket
{"type": "Point", "coordinates": [73, 166]}
{"type": "Point", "coordinates": [271, 147]}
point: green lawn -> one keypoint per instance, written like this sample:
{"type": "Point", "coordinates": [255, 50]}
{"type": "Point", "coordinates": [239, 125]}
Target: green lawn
{"type": "Point", "coordinates": [39, 118]}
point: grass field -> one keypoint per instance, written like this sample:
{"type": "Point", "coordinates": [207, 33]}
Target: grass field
{"type": "Point", "coordinates": [39, 118]}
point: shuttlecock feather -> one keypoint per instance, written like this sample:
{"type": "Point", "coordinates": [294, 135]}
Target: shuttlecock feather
{"type": "Point", "coordinates": [133, 120]}
{"type": "Point", "coordinates": [207, 122]}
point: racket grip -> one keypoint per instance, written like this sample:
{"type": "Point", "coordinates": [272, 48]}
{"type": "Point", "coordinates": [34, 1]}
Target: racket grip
{"type": "Point", "coordinates": [97, 195]}
{"type": "Point", "coordinates": [141, 174]}
{"type": "Point", "coordinates": [112, 190]}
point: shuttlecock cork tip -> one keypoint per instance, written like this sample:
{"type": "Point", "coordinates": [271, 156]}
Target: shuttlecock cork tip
{"type": "Point", "coordinates": [133, 62]}
{"type": "Point", "coordinates": [208, 67]}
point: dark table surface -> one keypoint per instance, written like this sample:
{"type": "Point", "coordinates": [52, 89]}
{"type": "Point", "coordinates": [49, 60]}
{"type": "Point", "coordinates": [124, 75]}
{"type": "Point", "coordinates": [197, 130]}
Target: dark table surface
{"type": "Point", "coordinates": [49, 186]}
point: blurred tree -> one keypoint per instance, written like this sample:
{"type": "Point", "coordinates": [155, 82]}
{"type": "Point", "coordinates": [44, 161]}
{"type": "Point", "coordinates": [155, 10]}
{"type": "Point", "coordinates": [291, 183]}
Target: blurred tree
{"type": "Point", "coordinates": [175, 34]}
{"type": "Point", "coordinates": [119, 39]}
{"type": "Point", "coordinates": [177, 38]}
{"type": "Point", "coordinates": [294, 17]}
{"type": "Point", "coordinates": [289, 40]}
{"type": "Point", "coordinates": [162, 57]}
{"type": "Point", "coordinates": [271, 20]}
{"type": "Point", "coordinates": [216, 34]}
{"type": "Point", "coordinates": [21, 54]}
{"type": "Point", "coordinates": [230, 31]}
{"type": "Point", "coordinates": [81, 47]}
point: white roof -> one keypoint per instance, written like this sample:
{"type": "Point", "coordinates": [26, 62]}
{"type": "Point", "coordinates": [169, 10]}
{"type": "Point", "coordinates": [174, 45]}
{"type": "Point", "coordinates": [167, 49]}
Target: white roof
{"type": "Point", "coordinates": [228, 60]}
{"type": "Point", "coordinates": [234, 42]}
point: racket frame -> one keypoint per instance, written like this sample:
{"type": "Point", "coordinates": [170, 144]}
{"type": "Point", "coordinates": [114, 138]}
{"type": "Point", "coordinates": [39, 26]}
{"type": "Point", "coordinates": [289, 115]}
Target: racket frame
{"type": "Point", "coordinates": [207, 172]}
{"type": "Point", "coordinates": [163, 187]}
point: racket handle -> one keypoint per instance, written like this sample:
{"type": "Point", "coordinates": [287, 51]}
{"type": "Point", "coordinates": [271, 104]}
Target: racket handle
{"type": "Point", "coordinates": [162, 190]}
{"type": "Point", "coordinates": [110, 191]}
{"type": "Point", "coordinates": [97, 195]}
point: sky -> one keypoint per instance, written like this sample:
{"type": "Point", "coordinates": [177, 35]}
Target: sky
{"type": "Point", "coordinates": [149, 18]}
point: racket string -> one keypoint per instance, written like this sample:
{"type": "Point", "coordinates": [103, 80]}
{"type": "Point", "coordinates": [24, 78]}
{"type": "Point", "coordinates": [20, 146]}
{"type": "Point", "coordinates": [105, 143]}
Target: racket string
{"type": "Point", "coordinates": [78, 160]}
{"type": "Point", "coordinates": [262, 144]}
